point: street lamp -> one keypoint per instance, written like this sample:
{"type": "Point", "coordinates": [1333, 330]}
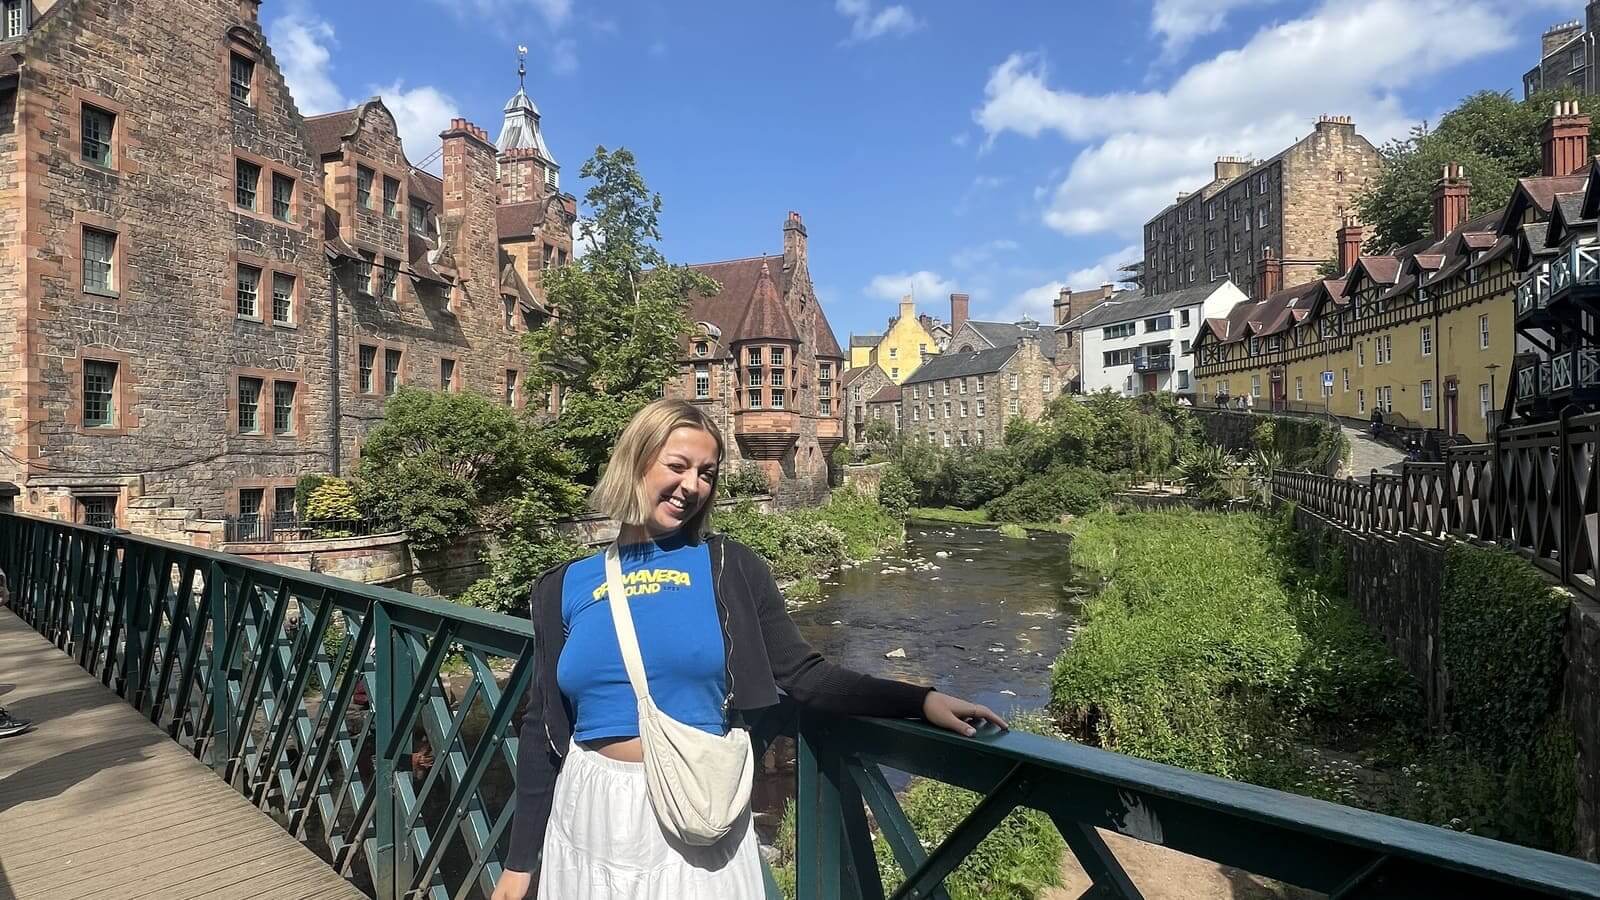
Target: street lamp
{"type": "Point", "coordinates": [1490, 368]}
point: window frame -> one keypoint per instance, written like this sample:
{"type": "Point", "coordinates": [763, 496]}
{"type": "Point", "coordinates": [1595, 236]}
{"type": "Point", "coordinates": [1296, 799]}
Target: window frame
{"type": "Point", "coordinates": [251, 85]}
{"type": "Point", "coordinates": [364, 176]}
{"type": "Point", "coordinates": [241, 167]}
{"type": "Point", "coordinates": [292, 319]}
{"type": "Point", "coordinates": [1483, 332]}
{"type": "Point", "coordinates": [1425, 336]}
{"type": "Point", "coordinates": [288, 204]}
{"type": "Point", "coordinates": [293, 428]}
{"type": "Point", "coordinates": [392, 204]}
{"type": "Point", "coordinates": [449, 375]}
{"type": "Point", "coordinates": [109, 163]}
{"type": "Point", "coordinates": [391, 386]}
{"type": "Point", "coordinates": [113, 408]}
{"type": "Point", "coordinates": [256, 429]}
{"type": "Point", "coordinates": [113, 263]}
{"type": "Point", "coordinates": [254, 315]}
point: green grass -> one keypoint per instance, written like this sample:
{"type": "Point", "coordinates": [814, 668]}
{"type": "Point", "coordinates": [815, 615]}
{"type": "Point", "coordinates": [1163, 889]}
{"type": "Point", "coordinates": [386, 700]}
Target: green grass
{"type": "Point", "coordinates": [977, 517]}
{"type": "Point", "coordinates": [806, 543]}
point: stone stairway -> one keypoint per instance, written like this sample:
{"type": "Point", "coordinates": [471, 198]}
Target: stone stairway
{"type": "Point", "coordinates": [1367, 454]}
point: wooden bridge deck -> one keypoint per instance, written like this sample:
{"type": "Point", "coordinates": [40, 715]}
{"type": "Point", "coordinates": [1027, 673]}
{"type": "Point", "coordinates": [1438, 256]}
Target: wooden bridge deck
{"type": "Point", "coordinates": [97, 802]}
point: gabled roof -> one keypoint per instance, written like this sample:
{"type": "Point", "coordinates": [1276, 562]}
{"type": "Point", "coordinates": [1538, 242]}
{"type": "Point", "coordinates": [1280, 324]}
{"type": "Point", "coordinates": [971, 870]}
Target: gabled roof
{"type": "Point", "coordinates": [865, 341]}
{"type": "Point", "coordinates": [519, 220]}
{"type": "Point", "coordinates": [427, 187]}
{"type": "Point", "coordinates": [890, 393]}
{"type": "Point", "coordinates": [1006, 334]}
{"type": "Point", "coordinates": [1539, 194]}
{"type": "Point", "coordinates": [1264, 318]}
{"type": "Point", "coordinates": [1129, 306]}
{"type": "Point", "coordinates": [962, 365]}
{"type": "Point", "coordinates": [511, 282]}
{"type": "Point", "coordinates": [765, 317]}
{"type": "Point", "coordinates": [859, 372]}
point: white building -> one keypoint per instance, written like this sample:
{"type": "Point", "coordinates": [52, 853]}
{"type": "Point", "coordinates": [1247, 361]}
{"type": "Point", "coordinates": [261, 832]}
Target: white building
{"type": "Point", "coordinates": [1135, 344]}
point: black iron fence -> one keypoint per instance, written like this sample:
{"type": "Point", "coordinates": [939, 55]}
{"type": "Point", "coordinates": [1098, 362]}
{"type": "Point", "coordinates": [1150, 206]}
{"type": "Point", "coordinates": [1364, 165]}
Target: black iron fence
{"type": "Point", "coordinates": [288, 527]}
{"type": "Point", "coordinates": [1535, 489]}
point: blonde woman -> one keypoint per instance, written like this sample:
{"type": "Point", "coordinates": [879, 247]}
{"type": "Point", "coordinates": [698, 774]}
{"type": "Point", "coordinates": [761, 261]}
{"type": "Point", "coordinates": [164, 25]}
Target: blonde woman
{"type": "Point", "coordinates": [715, 641]}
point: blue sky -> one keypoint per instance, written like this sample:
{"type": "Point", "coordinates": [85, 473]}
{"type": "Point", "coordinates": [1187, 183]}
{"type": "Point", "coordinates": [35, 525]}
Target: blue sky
{"type": "Point", "coordinates": [929, 148]}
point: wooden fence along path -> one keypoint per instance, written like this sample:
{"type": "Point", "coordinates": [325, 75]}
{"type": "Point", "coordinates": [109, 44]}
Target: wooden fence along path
{"type": "Point", "coordinates": [97, 802]}
{"type": "Point", "coordinates": [1535, 489]}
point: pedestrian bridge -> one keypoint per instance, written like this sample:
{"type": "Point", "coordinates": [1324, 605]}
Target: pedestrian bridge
{"type": "Point", "coordinates": [211, 727]}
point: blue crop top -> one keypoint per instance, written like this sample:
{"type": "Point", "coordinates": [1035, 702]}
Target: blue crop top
{"type": "Point", "coordinates": [680, 640]}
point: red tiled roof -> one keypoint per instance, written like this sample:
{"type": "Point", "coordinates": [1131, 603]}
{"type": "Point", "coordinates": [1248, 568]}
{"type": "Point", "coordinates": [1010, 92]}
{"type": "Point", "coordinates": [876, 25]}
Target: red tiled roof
{"type": "Point", "coordinates": [519, 220]}
{"type": "Point", "coordinates": [765, 315]}
{"type": "Point", "coordinates": [725, 308]}
{"type": "Point", "coordinates": [1543, 190]}
{"type": "Point", "coordinates": [328, 131]}
{"type": "Point", "coordinates": [1480, 240]}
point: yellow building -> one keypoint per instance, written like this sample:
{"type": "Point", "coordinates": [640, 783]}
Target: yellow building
{"type": "Point", "coordinates": [901, 349]}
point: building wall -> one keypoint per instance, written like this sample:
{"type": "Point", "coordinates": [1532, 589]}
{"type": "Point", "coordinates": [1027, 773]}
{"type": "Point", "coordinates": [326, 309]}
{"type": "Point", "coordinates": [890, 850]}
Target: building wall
{"type": "Point", "coordinates": [1566, 57]}
{"type": "Point", "coordinates": [1024, 386]}
{"type": "Point", "coordinates": [900, 351]}
{"type": "Point", "coordinates": [1321, 176]}
{"type": "Point", "coordinates": [864, 388]}
{"type": "Point", "coordinates": [1097, 376]}
{"type": "Point", "coordinates": [171, 327]}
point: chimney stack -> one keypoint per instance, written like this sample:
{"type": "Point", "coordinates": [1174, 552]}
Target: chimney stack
{"type": "Point", "coordinates": [1270, 280]}
{"type": "Point", "coordinates": [794, 242]}
{"type": "Point", "coordinates": [959, 304]}
{"type": "Point", "coordinates": [1452, 197]}
{"type": "Point", "coordinates": [1351, 235]}
{"type": "Point", "coordinates": [1230, 167]}
{"type": "Point", "coordinates": [908, 308]}
{"type": "Point", "coordinates": [1566, 140]}
{"type": "Point", "coordinates": [1063, 306]}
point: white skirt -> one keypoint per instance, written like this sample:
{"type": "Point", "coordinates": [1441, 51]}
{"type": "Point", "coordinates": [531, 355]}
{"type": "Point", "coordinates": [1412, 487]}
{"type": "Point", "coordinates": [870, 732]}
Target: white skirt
{"type": "Point", "coordinates": [603, 843]}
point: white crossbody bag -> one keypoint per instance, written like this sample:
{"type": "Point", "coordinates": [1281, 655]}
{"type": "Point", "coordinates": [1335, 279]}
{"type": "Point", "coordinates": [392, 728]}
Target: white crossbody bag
{"type": "Point", "coordinates": [698, 782]}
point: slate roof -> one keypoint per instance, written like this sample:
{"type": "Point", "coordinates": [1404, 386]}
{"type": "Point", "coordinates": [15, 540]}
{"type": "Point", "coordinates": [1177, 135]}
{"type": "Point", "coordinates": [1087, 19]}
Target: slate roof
{"type": "Point", "coordinates": [1128, 306]}
{"type": "Point", "coordinates": [1274, 315]}
{"type": "Point", "coordinates": [329, 130]}
{"type": "Point", "coordinates": [519, 220]}
{"type": "Point", "coordinates": [727, 308]}
{"type": "Point", "coordinates": [853, 375]}
{"type": "Point", "coordinates": [1006, 334]}
{"type": "Point", "coordinates": [961, 365]}
{"type": "Point", "coordinates": [766, 315]}
{"type": "Point", "coordinates": [866, 341]}
{"type": "Point", "coordinates": [1542, 190]}
{"type": "Point", "coordinates": [891, 393]}
{"type": "Point", "coordinates": [427, 187]}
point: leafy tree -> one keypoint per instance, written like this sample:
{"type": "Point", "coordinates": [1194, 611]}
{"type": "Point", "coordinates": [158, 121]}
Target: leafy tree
{"type": "Point", "coordinates": [440, 463]}
{"type": "Point", "coordinates": [1130, 439]}
{"type": "Point", "coordinates": [620, 314]}
{"type": "Point", "coordinates": [1496, 138]}
{"type": "Point", "coordinates": [895, 492]}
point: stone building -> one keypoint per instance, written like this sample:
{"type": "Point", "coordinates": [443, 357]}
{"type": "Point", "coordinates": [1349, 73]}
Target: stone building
{"type": "Point", "coordinates": [1069, 305]}
{"type": "Point", "coordinates": [863, 386]}
{"type": "Point", "coordinates": [1566, 56]}
{"type": "Point", "coordinates": [1286, 206]}
{"type": "Point", "coordinates": [762, 358]}
{"type": "Point", "coordinates": [204, 295]}
{"type": "Point", "coordinates": [965, 398]}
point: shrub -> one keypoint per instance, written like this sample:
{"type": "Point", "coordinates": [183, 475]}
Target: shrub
{"type": "Point", "coordinates": [895, 492]}
{"type": "Point", "coordinates": [1065, 490]}
{"type": "Point", "coordinates": [1204, 473]}
{"type": "Point", "coordinates": [744, 482]}
{"type": "Point", "coordinates": [841, 456]}
{"type": "Point", "coordinates": [332, 498]}
{"type": "Point", "coordinates": [305, 487]}
{"type": "Point", "coordinates": [976, 477]}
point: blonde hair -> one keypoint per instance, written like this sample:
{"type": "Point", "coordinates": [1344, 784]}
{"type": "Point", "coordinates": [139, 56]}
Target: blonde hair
{"type": "Point", "coordinates": [621, 494]}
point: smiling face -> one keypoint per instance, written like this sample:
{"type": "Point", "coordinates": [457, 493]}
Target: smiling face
{"type": "Point", "coordinates": [680, 480]}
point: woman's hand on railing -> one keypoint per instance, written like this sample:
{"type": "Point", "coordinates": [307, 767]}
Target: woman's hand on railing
{"type": "Point", "coordinates": [513, 885]}
{"type": "Point", "coordinates": [953, 714]}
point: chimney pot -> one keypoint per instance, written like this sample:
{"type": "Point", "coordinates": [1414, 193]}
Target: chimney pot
{"type": "Point", "coordinates": [1566, 140]}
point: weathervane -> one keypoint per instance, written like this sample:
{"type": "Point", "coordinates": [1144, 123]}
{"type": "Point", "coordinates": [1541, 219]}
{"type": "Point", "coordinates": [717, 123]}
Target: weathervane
{"type": "Point", "coordinates": [522, 68]}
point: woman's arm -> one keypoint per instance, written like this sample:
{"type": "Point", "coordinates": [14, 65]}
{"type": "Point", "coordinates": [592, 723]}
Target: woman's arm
{"type": "Point", "coordinates": [537, 762]}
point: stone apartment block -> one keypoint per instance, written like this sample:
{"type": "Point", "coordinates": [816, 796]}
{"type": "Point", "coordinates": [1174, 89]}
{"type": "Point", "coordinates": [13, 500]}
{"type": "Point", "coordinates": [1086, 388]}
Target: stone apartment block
{"type": "Point", "coordinates": [204, 295]}
{"type": "Point", "coordinates": [1288, 206]}
{"type": "Point", "coordinates": [762, 358]}
{"type": "Point", "coordinates": [1566, 56]}
{"type": "Point", "coordinates": [965, 398]}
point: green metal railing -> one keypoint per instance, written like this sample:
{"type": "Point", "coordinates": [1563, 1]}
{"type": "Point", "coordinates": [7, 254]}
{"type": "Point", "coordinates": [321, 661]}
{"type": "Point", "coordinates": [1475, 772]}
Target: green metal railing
{"type": "Point", "coordinates": [378, 727]}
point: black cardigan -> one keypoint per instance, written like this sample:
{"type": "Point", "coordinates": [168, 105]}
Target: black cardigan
{"type": "Point", "coordinates": [765, 652]}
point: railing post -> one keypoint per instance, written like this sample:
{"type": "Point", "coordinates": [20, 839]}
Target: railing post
{"type": "Point", "coordinates": [1372, 502]}
{"type": "Point", "coordinates": [389, 865]}
{"type": "Point", "coordinates": [817, 851]}
{"type": "Point", "coordinates": [1567, 521]}
{"type": "Point", "coordinates": [217, 669]}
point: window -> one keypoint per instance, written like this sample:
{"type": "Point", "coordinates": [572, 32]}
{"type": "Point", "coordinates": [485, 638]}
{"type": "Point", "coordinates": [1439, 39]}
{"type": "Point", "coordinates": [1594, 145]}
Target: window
{"type": "Point", "coordinates": [249, 420]}
{"type": "Point", "coordinates": [946, 436]}
{"type": "Point", "coordinates": [1183, 318]}
{"type": "Point", "coordinates": [979, 410]}
{"type": "Point", "coordinates": [1577, 58]}
{"type": "Point", "coordinates": [447, 374]}
{"type": "Point", "coordinates": [1159, 323]}
{"type": "Point", "coordinates": [755, 399]}
{"type": "Point", "coordinates": [391, 370]}
{"type": "Point", "coordinates": [1184, 347]}
{"type": "Point", "coordinates": [365, 263]}
{"type": "Point", "coordinates": [99, 394]}
{"type": "Point", "coordinates": [1255, 385]}
{"type": "Point", "coordinates": [701, 348]}
{"type": "Point", "coordinates": [1013, 381]}
{"type": "Point", "coordinates": [366, 356]}
{"type": "Point", "coordinates": [947, 409]}
{"type": "Point", "coordinates": [777, 357]}
{"type": "Point", "coordinates": [980, 439]}
{"type": "Point", "coordinates": [1183, 380]}
{"type": "Point", "coordinates": [1347, 380]}
{"type": "Point", "coordinates": [97, 129]}
{"type": "Point", "coordinates": [419, 217]}
{"type": "Point", "coordinates": [1361, 401]}
{"type": "Point", "coordinates": [916, 413]}
{"type": "Point", "coordinates": [1427, 395]}
{"type": "Point", "coordinates": [755, 356]}
{"type": "Point", "coordinates": [1211, 242]}
{"type": "Point", "coordinates": [1262, 183]}
{"type": "Point", "coordinates": [894, 352]}
{"type": "Point", "coordinates": [391, 197]}
{"type": "Point", "coordinates": [1211, 211]}
{"type": "Point", "coordinates": [1483, 402]}
{"type": "Point", "coordinates": [246, 177]}
{"type": "Point", "coordinates": [282, 196]}
{"type": "Point", "coordinates": [388, 277]}
{"type": "Point", "coordinates": [251, 501]}
{"type": "Point", "coordinates": [363, 187]}
{"type": "Point", "coordinates": [508, 307]}
{"type": "Point", "coordinates": [1255, 346]}
{"type": "Point", "coordinates": [980, 385]}
{"type": "Point", "coordinates": [946, 386]}
{"type": "Point", "coordinates": [777, 398]}
{"type": "Point", "coordinates": [922, 349]}
{"type": "Point", "coordinates": [1361, 353]}
{"type": "Point", "coordinates": [282, 298]}
{"type": "Point", "coordinates": [1126, 329]}
{"type": "Point", "coordinates": [894, 372]}
{"type": "Point", "coordinates": [1384, 345]}
{"type": "Point", "coordinates": [1014, 406]}
{"type": "Point", "coordinates": [777, 378]}
{"type": "Point", "coordinates": [1299, 387]}
{"type": "Point", "coordinates": [248, 289]}
{"type": "Point", "coordinates": [1483, 332]}
{"type": "Point", "coordinates": [283, 506]}
{"type": "Point", "coordinates": [755, 377]}
{"type": "Point", "coordinates": [1045, 385]}
{"type": "Point", "coordinates": [99, 250]}
{"type": "Point", "coordinates": [14, 23]}
{"type": "Point", "coordinates": [702, 381]}
{"type": "Point", "coordinates": [511, 387]}
{"type": "Point", "coordinates": [1427, 340]}
{"type": "Point", "coordinates": [963, 409]}
{"type": "Point", "coordinates": [241, 78]}
{"type": "Point", "coordinates": [283, 407]}
{"type": "Point", "coordinates": [1261, 217]}
{"type": "Point", "coordinates": [961, 386]}
{"type": "Point", "coordinates": [916, 392]}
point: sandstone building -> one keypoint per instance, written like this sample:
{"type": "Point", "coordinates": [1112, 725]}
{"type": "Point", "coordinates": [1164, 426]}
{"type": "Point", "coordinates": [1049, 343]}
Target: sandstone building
{"type": "Point", "coordinates": [1285, 207]}
{"type": "Point", "coordinates": [1566, 56]}
{"type": "Point", "coordinates": [965, 398]}
{"type": "Point", "coordinates": [909, 339]}
{"type": "Point", "coordinates": [763, 360]}
{"type": "Point", "coordinates": [205, 295]}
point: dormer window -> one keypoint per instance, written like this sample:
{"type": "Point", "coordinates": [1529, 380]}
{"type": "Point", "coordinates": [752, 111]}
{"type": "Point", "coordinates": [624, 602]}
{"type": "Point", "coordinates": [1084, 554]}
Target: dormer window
{"type": "Point", "coordinates": [701, 348]}
{"type": "Point", "coordinates": [419, 217]}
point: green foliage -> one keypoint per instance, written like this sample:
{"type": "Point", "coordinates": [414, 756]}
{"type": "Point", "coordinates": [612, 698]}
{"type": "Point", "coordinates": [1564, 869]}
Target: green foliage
{"type": "Point", "coordinates": [1302, 444]}
{"type": "Point", "coordinates": [440, 463]}
{"type": "Point", "coordinates": [1131, 437]}
{"type": "Point", "coordinates": [744, 482]}
{"type": "Point", "coordinates": [622, 314]}
{"type": "Point", "coordinates": [1500, 629]}
{"type": "Point", "coordinates": [815, 540]}
{"type": "Point", "coordinates": [1014, 531]}
{"type": "Point", "coordinates": [975, 477]}
{"type": "Point", "coordinates": [878, 436]}
{"type": "Point", "coordinates": [304, 487]}
{"type": "Point", "coordinates": [1063, 490]}
{"type": "Point", "coordinates": [1498, 140]}
{"type": "Point", "coordinates": [1205, 472]}
{"type": "Point", "coordinates": [896, 493]}
{"type": "Point", "coordinates": [841, 456]}
{"type": "Point", "coordinates": [332, 498]}
{"type": "Point", "coordinates": [523, 549]}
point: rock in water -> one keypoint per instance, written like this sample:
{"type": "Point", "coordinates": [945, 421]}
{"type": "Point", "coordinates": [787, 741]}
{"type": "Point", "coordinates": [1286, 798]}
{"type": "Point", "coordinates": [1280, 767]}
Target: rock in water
{"type": "Point", "coordinates": [896, 653]}
{"type": "Point", "coordinates": [942, 554]}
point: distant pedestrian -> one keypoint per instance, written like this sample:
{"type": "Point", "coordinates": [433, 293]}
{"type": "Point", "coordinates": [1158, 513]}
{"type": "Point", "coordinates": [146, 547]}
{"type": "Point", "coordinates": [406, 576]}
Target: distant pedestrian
{"type": "Point", "coordinates": [1377, 420]}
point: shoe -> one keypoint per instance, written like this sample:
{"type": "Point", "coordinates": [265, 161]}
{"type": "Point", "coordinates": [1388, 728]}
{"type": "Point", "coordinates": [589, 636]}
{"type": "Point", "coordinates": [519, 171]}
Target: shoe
{"type": "Point", "coordinates": [11, 726]}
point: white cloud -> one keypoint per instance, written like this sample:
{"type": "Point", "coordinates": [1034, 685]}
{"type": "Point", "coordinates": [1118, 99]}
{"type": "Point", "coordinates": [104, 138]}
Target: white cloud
{"type": "Point", "coordinates": [971, 257]}
{"type": "Point", "coordinates": [1347, 57]}
{"type": "Point", "coordinates": [1179, 22]}
{"type": "Point", "coordinates": [554, 12]}
{"type": "Point", "coordinates": [419, 115]}
{"type": "Point", "coordinates": [1036, 303]}
{"type": "Point", "coordinates": [866, 24]}
{"type": "Point", "coordinates": [1104, 270]}
{"type": "Point", "coordinates": [923, 285]}
{"type": "Point", "coordinates": [303, 44]}
{"type": "Point", "coordinates": [564, 57]}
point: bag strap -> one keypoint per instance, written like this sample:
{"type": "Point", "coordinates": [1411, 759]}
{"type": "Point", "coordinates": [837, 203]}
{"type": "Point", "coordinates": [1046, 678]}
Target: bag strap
{"type": "Point", "coordinates": [622, 618]}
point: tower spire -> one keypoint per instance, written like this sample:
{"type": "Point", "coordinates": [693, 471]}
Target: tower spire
{"type": "Point", "coordinates": [522, 66]}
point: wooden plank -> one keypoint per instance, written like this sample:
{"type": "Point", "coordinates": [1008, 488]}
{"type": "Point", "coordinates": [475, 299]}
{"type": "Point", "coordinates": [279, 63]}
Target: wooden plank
{"type": "Point", "coordinates": [103, 804]}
